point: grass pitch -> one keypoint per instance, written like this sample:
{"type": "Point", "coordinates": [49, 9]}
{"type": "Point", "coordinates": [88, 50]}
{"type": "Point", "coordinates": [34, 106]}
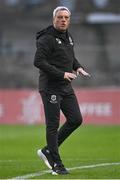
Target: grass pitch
{"type": "Point", "coordinates": [89, 145]}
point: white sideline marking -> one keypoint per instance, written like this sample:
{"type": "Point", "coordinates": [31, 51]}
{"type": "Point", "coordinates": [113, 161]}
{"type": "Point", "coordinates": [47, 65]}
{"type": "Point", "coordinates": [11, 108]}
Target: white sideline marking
{"type": "Point", "coordinates": [27, 176]}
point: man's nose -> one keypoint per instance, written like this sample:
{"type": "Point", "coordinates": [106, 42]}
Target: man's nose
{"type": "Point", "coordinates": [63, 19]}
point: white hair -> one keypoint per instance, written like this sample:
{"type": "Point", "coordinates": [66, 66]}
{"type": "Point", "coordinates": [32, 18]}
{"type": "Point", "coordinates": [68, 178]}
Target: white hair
{"type": "Point", "coordinates": [60, 8]}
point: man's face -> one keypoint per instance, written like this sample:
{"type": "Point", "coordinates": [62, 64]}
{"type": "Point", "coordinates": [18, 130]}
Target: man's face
{"type": "Point", "coordinates": [62, 20]}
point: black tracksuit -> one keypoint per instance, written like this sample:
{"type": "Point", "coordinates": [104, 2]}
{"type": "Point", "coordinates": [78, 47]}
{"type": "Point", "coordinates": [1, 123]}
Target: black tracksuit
{"type": "Point", "coordinates": [55, 56]}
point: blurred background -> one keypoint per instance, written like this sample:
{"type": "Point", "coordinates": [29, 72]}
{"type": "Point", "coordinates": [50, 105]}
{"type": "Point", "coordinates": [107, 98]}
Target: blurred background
{"type": "Point", "coordinates": [95, 27]}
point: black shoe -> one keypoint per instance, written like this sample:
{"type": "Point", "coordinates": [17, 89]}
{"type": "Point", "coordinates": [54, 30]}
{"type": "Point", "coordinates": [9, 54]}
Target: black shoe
{"type": "Point", "coordinates": [45, 155]}
{"type": "Point", "coordinates": [59, 169]}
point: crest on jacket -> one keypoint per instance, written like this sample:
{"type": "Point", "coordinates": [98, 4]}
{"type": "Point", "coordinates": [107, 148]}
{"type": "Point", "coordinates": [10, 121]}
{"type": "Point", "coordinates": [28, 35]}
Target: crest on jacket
{"type": "Point", "coordinates": [58, 41]}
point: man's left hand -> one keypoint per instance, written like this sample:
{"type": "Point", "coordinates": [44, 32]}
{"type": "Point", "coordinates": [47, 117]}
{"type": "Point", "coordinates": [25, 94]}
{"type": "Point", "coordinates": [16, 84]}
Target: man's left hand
{"type": "Point", "coordinates": [83, 72]}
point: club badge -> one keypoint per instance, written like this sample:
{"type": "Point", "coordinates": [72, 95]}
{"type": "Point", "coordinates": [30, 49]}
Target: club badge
{"type": "Point", "coordinates": [58, 41]}
{"type": "Point", "coordinates": [53, 99]}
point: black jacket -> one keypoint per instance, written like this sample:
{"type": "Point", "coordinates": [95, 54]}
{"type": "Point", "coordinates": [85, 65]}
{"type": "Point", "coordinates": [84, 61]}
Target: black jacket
{"type": "Point", "coordinates": [54, 56]}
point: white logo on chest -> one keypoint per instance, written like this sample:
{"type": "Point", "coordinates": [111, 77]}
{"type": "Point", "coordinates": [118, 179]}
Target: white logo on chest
{"type": "Point", "coordinates": [70, 40]}
{"type": "Point", "coordinates": [58, 41]}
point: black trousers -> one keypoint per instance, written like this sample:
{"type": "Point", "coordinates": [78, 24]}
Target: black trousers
{"type": "Point", "coordinates": [53, 103]}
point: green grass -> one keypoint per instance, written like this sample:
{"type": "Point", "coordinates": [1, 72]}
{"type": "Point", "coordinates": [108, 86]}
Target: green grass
{"type": "Point", "coordinates": [88, 145]}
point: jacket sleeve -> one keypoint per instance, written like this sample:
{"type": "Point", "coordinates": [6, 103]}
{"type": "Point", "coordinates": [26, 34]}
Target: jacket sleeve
{"type": "Point", "coordinates": [44, 49]}
{"type": "Point", "coordinates": [76, 65]}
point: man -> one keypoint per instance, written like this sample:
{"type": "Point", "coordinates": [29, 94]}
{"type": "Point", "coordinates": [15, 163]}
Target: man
{"type": "Point", "coordinates": [58, 67]}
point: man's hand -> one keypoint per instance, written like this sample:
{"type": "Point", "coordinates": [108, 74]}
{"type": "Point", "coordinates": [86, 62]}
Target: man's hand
{"type": "Point", "coordinates": [69, 76]}
{"type": "Point", "coordinates": [83, 72]}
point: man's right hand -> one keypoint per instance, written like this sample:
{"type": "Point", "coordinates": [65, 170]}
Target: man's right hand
{"type": "Point", "coordinates": [69, 76]}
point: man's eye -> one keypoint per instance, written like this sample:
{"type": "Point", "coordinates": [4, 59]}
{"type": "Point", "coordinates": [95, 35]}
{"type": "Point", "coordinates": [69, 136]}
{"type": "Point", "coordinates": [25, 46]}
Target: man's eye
{"type": "Point", "coordinates": [61, 17]}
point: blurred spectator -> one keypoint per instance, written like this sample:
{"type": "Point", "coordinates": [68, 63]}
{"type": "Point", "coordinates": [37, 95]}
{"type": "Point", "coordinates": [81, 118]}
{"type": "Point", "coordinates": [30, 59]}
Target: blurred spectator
{"type": "Point", "coordinates": [70, 4]}
{"type": "Point", "coordinates": [33, 2]}
{"type": "Point", "coordinates": [101, 3]}
{"type": "Point", "coordinates": [27, 3]}
{"type": "Point", "coordinates": [12, 2]}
